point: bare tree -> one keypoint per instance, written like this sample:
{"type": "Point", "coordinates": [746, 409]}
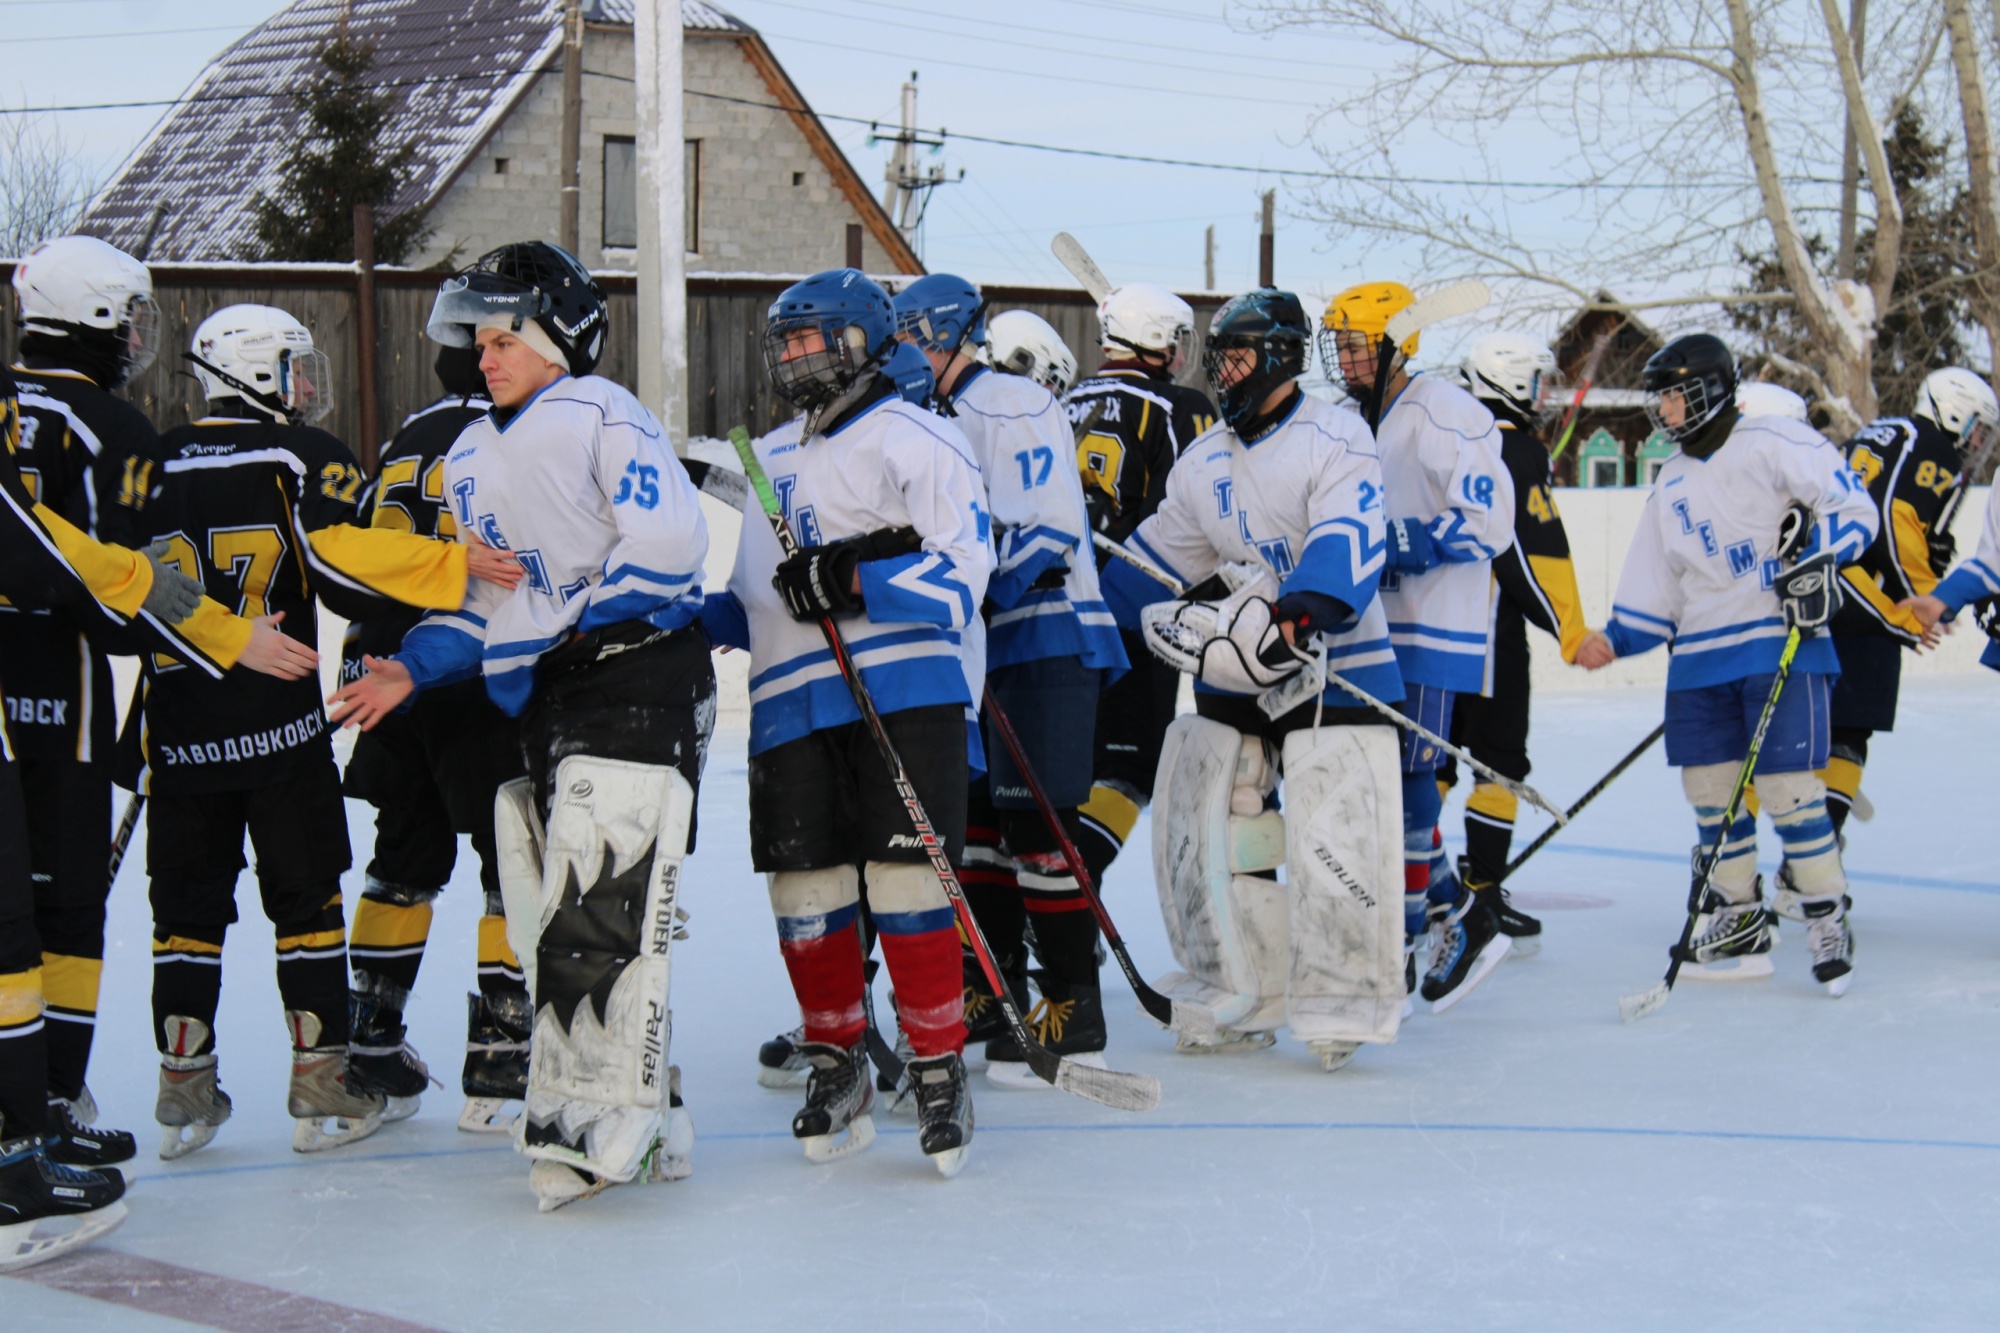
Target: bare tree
{"type": "Point", "coordinates": [1671, 133]}
{"type": "Point", "coordinates": [1983, 198]}
{"type": "Point", "coordinates": [44, 182]}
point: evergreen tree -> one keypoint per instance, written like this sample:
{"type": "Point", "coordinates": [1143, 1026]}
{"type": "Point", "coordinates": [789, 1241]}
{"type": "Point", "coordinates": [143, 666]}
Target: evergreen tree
{"type": "Point", "coordinates": [341, 160]}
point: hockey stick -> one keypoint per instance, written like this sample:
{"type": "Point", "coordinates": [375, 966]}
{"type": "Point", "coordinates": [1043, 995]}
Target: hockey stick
{"type": "Point", "coordinates": [1167, 1013]}
{"type": "Point", "coordinates": [1282, 698]}
{"type": "Point", "coordinates": [1635, 1007]}
{"type": "Point", "coordinates": [1107, 1087]}
{"type": "Point", "coordinates": [123, 838]}
{"type": "Point", "coordinates": [1631, 758]}
{"type": "Point", "coordinates": [1461, 298]}
{"type": "Point", "coordinates": [1080, 265]}
{"type": "Point", "coordinates": [1590, 365]}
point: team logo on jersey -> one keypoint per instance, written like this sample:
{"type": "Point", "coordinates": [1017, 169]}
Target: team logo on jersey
{"type": "Point", "coordinates": [1704, 529]}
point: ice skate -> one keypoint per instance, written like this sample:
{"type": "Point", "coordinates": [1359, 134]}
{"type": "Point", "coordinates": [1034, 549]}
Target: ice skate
{"type": "Point", "coordinates": [672, 1157]}
{"type": "Point", "coordinates": [1333, 1054]}
{"type": "Point", "coordinates": [1732, 941]}
{"type": "Point", "coordinates": [1515, 924]}
{"type": "Point", "coordinates": [379, 1059]}
{"type": "Point", "coordinates": [192, 1104]}
{"type": "Point", "coordinates": [944, 1110]}
{"type": "Point", "coordinates": [47, 1208]}
{"type": "Point", "coordinates": [984, 1021]}
{"type": "Point", "coordinates": [835, 1121]}
{"type": "Point", "coordinates": [1068, 1019]}
{"type": "Point", "coordinates": [496, 1061]}
{"type": "Point", "coordinates": [75, 1144]}
{"type": "Point", "coordinates": [557, 1184]}
{"type": "Point", "coordinates": [781, 1061]}
{"type": "Point", "coordinates": [1468, 947]}
{"type": "Point", "coordinates": [320, 1092]}
{"type": "Point", "coordinates": [1830, 938]}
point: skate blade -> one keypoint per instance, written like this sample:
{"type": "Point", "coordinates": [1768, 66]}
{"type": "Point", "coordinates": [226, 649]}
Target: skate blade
{"type": "Point", "coordinates": [1335, 1055]}
{"type": "Point", "coordinates": [782, 1077]}
{"type": "Point", "coordinates": [400, 1108]}
{"type": "Point", "coordinates": [1490, 957]}
{"type": "Point", "coordinates": [1016, 1076]}
{"type": "Point", "coordinates": [173, 1146]}
{"type": "Point", "coordinates": [1225, 1043]}
{"type": "Point", "coordinates": [951, 1161]}
{"type": "Point", "coordinates": [824, 1148]}
{"type": "Point", "coordinates": [487, 1115]}
{"type": "Point", "coordinates": [1838, 986]}
{"type": "Point", "coordinates": [1632, 1008]}
{"type": "Point", "coordinates": [313, 1136]}
{"type": "Point", "coordinates": [25, 1244]}
{"type": "Point", "coordinates": [1752, 967]}
{"type": "Point", "coordinates": [1525, 946]}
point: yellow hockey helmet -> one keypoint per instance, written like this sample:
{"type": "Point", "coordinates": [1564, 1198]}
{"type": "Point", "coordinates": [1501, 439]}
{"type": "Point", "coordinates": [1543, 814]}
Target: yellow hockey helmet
{"type": "Point", "coordinates": [1367, 308]}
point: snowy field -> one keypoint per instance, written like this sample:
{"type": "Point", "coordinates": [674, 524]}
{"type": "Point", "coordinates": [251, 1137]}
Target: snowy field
{"type": "Point", "coordinates": [1756, 1156]}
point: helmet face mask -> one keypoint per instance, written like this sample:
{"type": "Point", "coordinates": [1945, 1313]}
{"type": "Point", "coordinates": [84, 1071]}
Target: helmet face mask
{"type": "Point", "coordinates": [263, 357]}
{"type": "Point", "coordinates": [1351, 333]}
{"type": "Point", "coordinates": [526, 281]}
{"type": "Point", "coordinates": [823, 333]}
{"type": "Point", "coordinates": [1690, 384]}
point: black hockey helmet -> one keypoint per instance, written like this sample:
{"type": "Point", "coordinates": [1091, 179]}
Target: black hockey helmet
{"type": "Point", "coordinates": [1700, 370]}
{"type": "Point", "coordinates": [1268, 322]}
{"type": "Point", "coordinates": [527, 280]}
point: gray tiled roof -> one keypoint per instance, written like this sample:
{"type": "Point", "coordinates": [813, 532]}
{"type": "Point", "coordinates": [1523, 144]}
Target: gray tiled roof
{"type": "Point", "coordinates": [458, 67]}
{"type": "Point", "coordinates": [694, 14]}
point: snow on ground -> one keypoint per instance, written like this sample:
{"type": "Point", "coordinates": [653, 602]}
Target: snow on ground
{"type": "Point", "coordinates": [1756, 1156]}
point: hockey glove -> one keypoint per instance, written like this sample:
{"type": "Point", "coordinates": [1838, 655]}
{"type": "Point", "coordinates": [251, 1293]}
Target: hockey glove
{"type": "Point", "coordinates": [1944, 549]}
{"type": "Point", "coordinates": [819, 580]}
{"type": "Point", "coordinates": [1810, 591]}
{"type": "Point", "coordinates": [1234, 644]}
{"type": "Point", "coordinates": [1051, 579]}
{"type": "Point", "coordinates": [1410, 548]}
{"type": "Point", "coordinates": [173, 596]}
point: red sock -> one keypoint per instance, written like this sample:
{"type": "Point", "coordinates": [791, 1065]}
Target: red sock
{"type": "Point", "coordinates": [823, 955]}
{"type": "Point", "coordinates": [921, 949]}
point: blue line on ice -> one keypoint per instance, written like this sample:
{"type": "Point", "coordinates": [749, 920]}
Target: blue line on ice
{"type": "Point", "coordinates": [1858, 876]}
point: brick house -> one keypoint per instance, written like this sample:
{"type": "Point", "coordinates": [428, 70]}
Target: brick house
{"type": "Point", "coordinates": [481, 89]}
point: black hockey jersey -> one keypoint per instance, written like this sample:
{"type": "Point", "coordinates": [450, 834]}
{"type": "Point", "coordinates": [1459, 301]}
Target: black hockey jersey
{"type": "Point", "coordinates": [1130, 426]}
{"type": "Point", "coordinates": [1537, 580]}
{"type": "Point", "coordinates": [85, 455]}
{"type": "Point", "coordinates": [1911, 469]}
{"type": "Point", "coordinates": [407, 495]}
{"type": "Point", "coordinates": [266, 517]}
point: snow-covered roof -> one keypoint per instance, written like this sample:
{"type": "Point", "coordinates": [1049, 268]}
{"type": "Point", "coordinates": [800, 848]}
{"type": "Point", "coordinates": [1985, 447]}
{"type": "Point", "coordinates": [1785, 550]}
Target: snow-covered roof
{"type": "Point", "coordinates": [457, 66]}
{"type": "Point", "coordinates": [695, 15]}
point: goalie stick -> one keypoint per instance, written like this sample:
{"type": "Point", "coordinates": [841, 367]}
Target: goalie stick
{"type": "Point", "coordinates": [1080, 265]}
{"type": "Point", "coordinates": [1283, 698]}
{"type": "Point", "coordinates": [1107, 1087]}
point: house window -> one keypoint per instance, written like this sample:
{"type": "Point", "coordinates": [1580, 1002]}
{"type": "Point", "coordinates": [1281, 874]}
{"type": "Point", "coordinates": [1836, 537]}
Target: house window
{"type": "Point", "coordinates": [1607, 472]}
{"type": "Point", "coordinates": [499, 166]}
{"type": "Point", "coordinates": [621, 193]}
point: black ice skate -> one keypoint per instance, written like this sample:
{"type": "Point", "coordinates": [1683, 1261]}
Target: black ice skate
{"type": "Point", "coordinates": [1830, 938]}
{"type": "Point", "coordinates": [1515, 924]}
{"type": "Point", "coordinates": [496, 1060]}
{"type": "Point", "coordinates": [1732, 941]}
{"type": "Point", "coordinates": [73, 1143]}
{"type": "Point", "coordinates": [944, 1110]}
{"type": "Point", "coordinates": [47, 1208]}
{"type": "Point", "coordinates": [379, 1058]}
{"type": "Point", "coordinates": [1468, 946]}
{"type": "Point", "coordinates": [983, 1020]}
{"type": "Point", "coordinates": [781, 1061]}
{"type": "Point", "coordinates": [835, 1121]}
{"type": "Point", "coordinates": [1068, 1019]}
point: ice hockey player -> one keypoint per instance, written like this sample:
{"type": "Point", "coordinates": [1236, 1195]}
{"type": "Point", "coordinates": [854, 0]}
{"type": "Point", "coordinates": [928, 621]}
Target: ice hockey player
{"type": "Point", "coordinates": [598, 652]}
{"type": "Point", "coordinates": [58, 1189]}
{"type": "Point", "coordinates": [1051, 646]}
{"type": "Point", "coordinates": [1450, 505]}
{"type": "Point", "coordinates": [889, 508]}
{"type": "Point", "coordinates": [431, 772]}
{"type": "Point", "coordinates": [1131, 421]}
{"type": "Point", "coordinates": [1740, 541]}
{"type": "Point", "coordinates": [1021, 342]}
{"type": "Point", "coordinates": [261, 508]}
{"type": "Point", "coordinates": [1284, 499]}
{"type": "Point", "coordinates": [1973, 580]}
{"type": "Point", "coordinates": [1507, 373]}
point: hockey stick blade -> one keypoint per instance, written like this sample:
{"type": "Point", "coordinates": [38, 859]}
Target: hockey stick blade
{"type": "Point", "coordinates": [1106, 1087]}
{"type": "Point", "coordinates": [1632, 1008]}
{"type": "Point", "coordinates": [1461, 298]}
{"type": "Point", "coordinates": [1080, 265]}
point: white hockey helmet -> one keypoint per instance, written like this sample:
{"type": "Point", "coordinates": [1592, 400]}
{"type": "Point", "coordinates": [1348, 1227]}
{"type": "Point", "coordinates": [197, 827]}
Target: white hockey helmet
{"type": "Point", "coordinates": [1754, 398]}
{"type": "Point", "coordinates": [1021, 342]}
{"type": "Point", "coordinates": [1954, 398]}
{"type": "Point", "coordinates": [80, 288]}
{"type": "Point", "coordinates": [1512, 369]}
{"type": "Point", "coordinates": [265, 357]}
{"type": "Point", "coordinates": [1145, 317]}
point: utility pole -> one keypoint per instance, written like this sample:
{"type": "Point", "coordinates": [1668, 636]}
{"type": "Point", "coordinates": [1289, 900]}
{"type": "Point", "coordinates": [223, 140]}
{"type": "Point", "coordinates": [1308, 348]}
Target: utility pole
{"type": "Point", "coordinates": [906, 193]}
{"type": "Point", "coordinates": [572, 125]}
{"type": "Point", "coordinates": [656, 42]}
{"type": "Point", "coordinates": [365, 325]}
{"type": "Point", "coordinates": [1267, 242]}
{"type": "Point", "coordinates": [1208, 259]}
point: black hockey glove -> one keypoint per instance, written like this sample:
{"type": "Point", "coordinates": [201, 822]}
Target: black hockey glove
{"type": "Point", "coordinates": [819, 580]}
{"type": "Point", "coordinates": [1944, 549]}
{"type": "Point", "coordinates": [1051, 578]}
{"type": "Point", "coordinates": [1810, 591]}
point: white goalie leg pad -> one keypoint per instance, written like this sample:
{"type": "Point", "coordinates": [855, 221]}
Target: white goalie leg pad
{"type": "Point", "coordinates": [518, 836]}
{"type": "Point", "coordinates": [1344, 867]}
{"type": "Point", "coordinates": [1211, 834]}
{"type": "Point", "coordinates": [597, 1082]}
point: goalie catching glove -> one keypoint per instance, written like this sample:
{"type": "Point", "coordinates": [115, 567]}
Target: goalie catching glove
{"type": "Point", "coordinates": [1236, 644]}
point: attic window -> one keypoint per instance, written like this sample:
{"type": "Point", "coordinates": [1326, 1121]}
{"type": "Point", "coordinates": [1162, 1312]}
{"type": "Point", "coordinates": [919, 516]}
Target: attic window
{"type": "Point", "coordinates": [499, 166]}
{"type": "Point", "coordinates": [798, 179]}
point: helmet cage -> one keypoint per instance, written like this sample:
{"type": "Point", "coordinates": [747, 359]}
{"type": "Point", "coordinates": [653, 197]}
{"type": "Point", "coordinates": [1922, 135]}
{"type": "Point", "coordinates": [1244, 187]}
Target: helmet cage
{"type": "Point", "coordinates": [1700, 404]}
{"type": "Point", "coordinates": [816, 378]}
{"type": "Point", "coordinates": [1280, 356]}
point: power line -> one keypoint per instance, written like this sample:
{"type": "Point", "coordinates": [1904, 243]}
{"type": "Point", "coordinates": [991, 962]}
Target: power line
{"type": "Point", "coordinates": [107, 36]}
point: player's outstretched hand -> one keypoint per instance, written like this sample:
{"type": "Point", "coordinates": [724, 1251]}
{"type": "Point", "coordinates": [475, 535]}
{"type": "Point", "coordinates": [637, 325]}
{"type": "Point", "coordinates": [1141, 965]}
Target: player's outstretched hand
{"type": "Point", "coordinates": [1595, 652]}
{"type": "Point", "coordinates": [275, 653]}
{"type": "Point", "coordinates": [377, 694]}
{"type": "Point", "coordinates": [492, 564]}
{"type": "Point", "coordinates": [1929, 610]}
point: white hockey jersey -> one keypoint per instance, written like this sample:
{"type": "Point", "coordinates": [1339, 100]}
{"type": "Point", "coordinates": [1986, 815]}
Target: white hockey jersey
{"type": "Point", "coordinates": [1441, 463]}
{"type": "Point", "coordinates": [582, 485]}
{"type": "Point", "coordinates": [1978, 577]}
{"type": "Point", "coordinates": [891, 466]}
{"type": "Point", "coordinates": [1701, 566]}
{"type": "Point", "coordinates": [1306, 500]}
{"type": "Point", "coordinates": [1020, 438]}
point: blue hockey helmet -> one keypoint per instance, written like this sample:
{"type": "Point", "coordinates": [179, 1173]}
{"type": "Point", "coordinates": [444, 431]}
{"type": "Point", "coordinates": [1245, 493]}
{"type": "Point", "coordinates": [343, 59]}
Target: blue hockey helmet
{"type": "Point", "coordinates": [910, 370]}
{"type": "Point", "coordinates": [943, 312]}
{"type": "Point", "coordinates": [1271, 326]}
{"type": "Point", "coordinates": [856, 324]}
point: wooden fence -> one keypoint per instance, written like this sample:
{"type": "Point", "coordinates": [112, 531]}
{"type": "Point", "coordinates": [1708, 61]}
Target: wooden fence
{"type": "Point", "coordinates": [726, 379]}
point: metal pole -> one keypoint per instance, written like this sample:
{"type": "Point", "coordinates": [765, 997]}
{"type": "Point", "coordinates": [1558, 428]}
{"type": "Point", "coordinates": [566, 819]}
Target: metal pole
{"type": "Point", "coordinates": [1267, 242]}
{"type": "Point", "coordinates": [662, 214]}
{"type": "Point", "coordinates": [369, 445]}
{"type": "Point", "coordinates": [1208, 259]}
{"type": "Point", "coordinates": [572, 125]}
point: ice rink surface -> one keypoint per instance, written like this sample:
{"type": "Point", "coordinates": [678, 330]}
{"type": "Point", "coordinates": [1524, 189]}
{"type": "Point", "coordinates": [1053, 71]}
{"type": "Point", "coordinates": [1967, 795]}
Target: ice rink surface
{"type": "Point", "coordinates": [1754, 1156]}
